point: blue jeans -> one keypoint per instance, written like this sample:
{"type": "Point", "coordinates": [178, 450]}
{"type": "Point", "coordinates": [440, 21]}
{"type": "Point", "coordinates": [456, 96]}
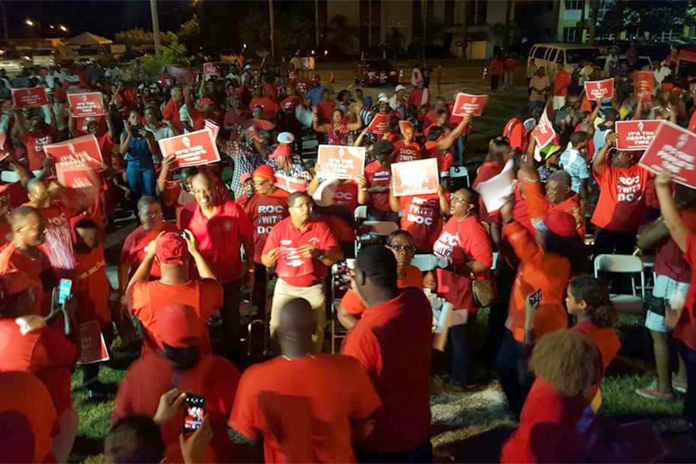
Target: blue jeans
{"type": "Point", "coordinates": [141, 181]}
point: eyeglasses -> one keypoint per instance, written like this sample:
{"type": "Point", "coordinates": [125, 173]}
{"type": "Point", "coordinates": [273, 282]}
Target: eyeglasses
{"type": "Point", "coordinates": [403, 248]}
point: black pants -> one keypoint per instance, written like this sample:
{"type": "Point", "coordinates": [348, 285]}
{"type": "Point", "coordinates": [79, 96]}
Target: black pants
{"type": "Point", "coordinates": [421, 454]}
{"type": "Point", "coordinates": [230, 321]}
{"type": "Point", "coordinates": [495, 80]}
{"type": "Point", "coordinates": [689, 357]}
{"type": "Point", "coordinates": [513, 372]}
{"type": "Point", "coordinates": [258, 297]}
{"type": "Point", "coordinates": [461, 362]}
{"type": "Point", "coordinates": [92, 370]}
{"type": "Point", "coordinates": [504, 279]}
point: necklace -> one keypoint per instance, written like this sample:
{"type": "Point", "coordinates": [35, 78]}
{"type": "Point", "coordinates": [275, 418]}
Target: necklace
{"type": "Point", "coordinates": [311, 356]}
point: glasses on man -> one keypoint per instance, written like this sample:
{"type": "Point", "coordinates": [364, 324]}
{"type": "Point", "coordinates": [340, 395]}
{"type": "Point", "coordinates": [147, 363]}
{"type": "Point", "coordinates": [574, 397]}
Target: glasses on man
{"type": "Point", "coordinates": [403, 248]}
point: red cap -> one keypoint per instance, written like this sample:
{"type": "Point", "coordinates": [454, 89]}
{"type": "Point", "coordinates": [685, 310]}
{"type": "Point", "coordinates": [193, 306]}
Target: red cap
{"type": "Point", "coordinates": [179, 326]}
{"type": "Point", "coordinates": [560, 223]}
{"type": "Point", "coordinates": [205, 101]}
{"type": "Point", "coordinates": [171, 249]}
{"type": "Point", "coordinates": [281, 150]}
{"type": "Point", "coordinates": [264, 171]}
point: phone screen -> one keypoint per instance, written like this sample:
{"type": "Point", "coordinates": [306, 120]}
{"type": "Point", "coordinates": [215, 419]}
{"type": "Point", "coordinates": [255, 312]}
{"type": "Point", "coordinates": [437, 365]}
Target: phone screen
{"type": "Point", "coordinates": [64, 290]}
{"type": "Point", "coordinates": [193, 413]}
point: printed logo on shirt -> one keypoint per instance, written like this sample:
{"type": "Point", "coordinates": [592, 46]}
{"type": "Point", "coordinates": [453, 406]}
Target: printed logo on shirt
{"type": "Point", "coordinates": [445, 245]}
{"type": "Point", "coordinates": [39, 142]}
{"type": "Point", "coordinates": [535, 299]}
{"type": "Point", "coordinates": [628, 188]}
{"type": "Point", "coordinates": [421, 211]}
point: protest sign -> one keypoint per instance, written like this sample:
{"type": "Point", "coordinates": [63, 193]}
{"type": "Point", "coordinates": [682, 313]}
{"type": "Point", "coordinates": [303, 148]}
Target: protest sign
{"type": "Point", "coordinates": [290, 184]}
{"type": "Point", "coordinates": [404, 125]}
{"type": "Point", "coordinates": [379, 124]}
{"type": "Point", "coordinates": [213, 128]}
{"type": "Point", "coordinates": [599, 90]}
{"type": "Point", "coordinates": [92, 346]}
{"type": "Point", "coordinates": [211, 69]}
{"type": "Point", "coordinates": [544, 132]}
{"type": "Point", "coordinates": [29, 98]}
{"type": "Point", "coordinates": [418, 177]}
{"type": "Point", "coordinates": [496, 190]}
{"type": "Point", "coordinates": [672, 149]}
{"type": "Point", "coordinates": [635, 135]}
{"type": "Point", "coordinates": [79, 153]}
{"type": "Point", "coordinates": [340, 162]}
{"type": "Point", "coordinates": [644, 81]}
{"type": "Point", "coordinates": [192, 149]}
{"type": "Point", "coordinates": [86, 105]}
{"type": "Point", "coordinates": [469, 104]}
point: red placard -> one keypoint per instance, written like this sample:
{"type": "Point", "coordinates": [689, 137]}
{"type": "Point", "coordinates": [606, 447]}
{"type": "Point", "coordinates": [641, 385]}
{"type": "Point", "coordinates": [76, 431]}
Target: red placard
{"type": "Point", "coordinates": [290, 184]}
{"type": "Point", "coordinates": [213, 128]}
{"type": "Point", "coordinates": [29, 98]}
{"type": "Point", "coordinates": [86, 105]}
{"type": "Point", "coordinates": [192, 149]}
{"type": "Point", "coordinates": [340, 162]}
{"type": "Point", "coordinates": [379, 124]}
{"type": "Point", "coordinates": [415, 177]}
{"type": "Point", "coordinates": [644, 81]}
{"type": "Point", "coordinates": [672, 149]}
{"type": "Point", "coordinates": [78, 178]}
{"type": "Point", "coordinates": [92, 346]}
{"type": "Point", "coordinates": [544, 132]}
{"type": "Point", "coordinates": [599, 90]}
{"type": "Point", "coordinates": [403, 125]}
{"type": "Point", "coordinates": [80, 153]}
{"type": "Point", "coordinates": [469, 104]}
{"type": "Point", "coordinates": [635, 135]}
{"type": "Point", "coordinates": [211, 69]}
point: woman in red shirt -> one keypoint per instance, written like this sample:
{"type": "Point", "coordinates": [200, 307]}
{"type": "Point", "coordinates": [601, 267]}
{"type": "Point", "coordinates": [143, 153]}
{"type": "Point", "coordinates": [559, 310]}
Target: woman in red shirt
{"type": "Point", "coordinates": [338, 130]}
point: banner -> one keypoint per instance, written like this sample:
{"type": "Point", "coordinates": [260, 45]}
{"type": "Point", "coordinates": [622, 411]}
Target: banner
{"type": "Point", "coordinates": [644, 81]}
{"type": "Point", "coordinates": [211, 69]}
{"type": "Point", "coordinates": [213, 128]}
{"type": "Point", "coordinates": [92, 346]}
{"type": "Point", "coordinates": [79, 153]}
{"type": "Point", "coordinates": [469, 104]}
{"type": "Point", "coordinates": [544, 132]}
{"type": "Point", "coordinates": [599, 90]}
{"type": "Point", "coordinates": [379, 124]}
{"type": "Point", "coordinates": [86, 105]}
{"type": "Point", "coordinates": [340, 162]}
{"type": "Point", "coordinates": [290, 184]}
{"type": "Point", "coordinates": [192, 149]}
{"type": "Point", "coordinates": [672, 149]}
{"type": "Point", "coordinates": [29, 98]}
{"type": "Point", "coordinates": [635, 135]}
{"type": "Point", "coordinates": [418, 177]}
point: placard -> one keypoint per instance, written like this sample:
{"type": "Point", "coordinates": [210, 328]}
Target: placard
{"type": "Point", "coordinates": [599, 90]}
{"type": "Point", "coordinates": [79, 153]}
{"type": "Point", "coordinates": [672, 149]}
{"type": "Point", "coordinates": [92, 345]}
{"type": "Point", "coordinates": [212, 127]}
{"type": "Point", "coordinates": [469, 104]}
{"type": "Point", "coordinates": [86, 105]}
{"type": "Point", "coordinates": [341, 162]}
{"type": "Point", "coordinates": [290, 184]}
{"type": "Point", "coordinates": [33, 97]}
{"type": "Point", "coordinates": [544, 132]}
{"type": "Point", "coordinates": [644, 81]}
{"type": "Point", "coordinates": [192, 149]}
{"type": "Point", "coordinates": [635, 135]}
{"type": "Point", "coordinates": [419, 177]}
{"type": "Point", "coordinates": [496, 190]}
{"type": "Point", "coordinates": [379, 124]}
{"type": "Point", "coordinates": [211, 69]}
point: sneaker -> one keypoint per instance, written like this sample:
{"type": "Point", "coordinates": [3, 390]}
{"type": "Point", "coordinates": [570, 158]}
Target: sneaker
{"type": "Point", "coordinates": [652, 393]}
{"type": "Point", "coordinates": [679, 387]}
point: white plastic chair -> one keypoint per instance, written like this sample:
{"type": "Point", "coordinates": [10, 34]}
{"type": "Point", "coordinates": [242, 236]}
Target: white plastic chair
{"type": "Point", "coordinates": [360, 213]}
{"type": "Point", "coordinates": [9, 177]}
{"type": "Point", "coordinates": [460, 171]}
{"type": "Point", "coordinates": [441, 328]}
{"type": "Point", "coordinates": [624, 264]}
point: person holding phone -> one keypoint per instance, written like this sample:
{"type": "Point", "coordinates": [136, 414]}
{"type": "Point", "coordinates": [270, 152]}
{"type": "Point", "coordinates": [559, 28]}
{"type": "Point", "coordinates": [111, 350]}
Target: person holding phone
{"type": "Point", "coordinates": [137, 146]}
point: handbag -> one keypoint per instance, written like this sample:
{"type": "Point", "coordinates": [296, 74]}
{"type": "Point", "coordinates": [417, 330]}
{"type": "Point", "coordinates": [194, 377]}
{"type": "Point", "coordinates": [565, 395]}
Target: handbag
{"type": "Point", "coordinates": [483, 291]}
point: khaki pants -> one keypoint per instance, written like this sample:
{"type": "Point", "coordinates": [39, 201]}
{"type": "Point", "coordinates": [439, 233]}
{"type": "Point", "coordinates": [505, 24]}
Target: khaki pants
{"type": "Point", "coordinates": [285, 292]}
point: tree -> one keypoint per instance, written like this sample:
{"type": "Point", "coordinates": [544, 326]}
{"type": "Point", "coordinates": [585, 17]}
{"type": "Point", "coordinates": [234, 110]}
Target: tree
{"type": "Point", "coordinates": [142, 37]}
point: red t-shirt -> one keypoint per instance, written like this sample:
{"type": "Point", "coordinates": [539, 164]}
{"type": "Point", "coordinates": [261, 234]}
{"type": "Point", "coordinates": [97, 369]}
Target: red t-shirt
{"type": "Point", "coordinates": [378, 176]}
{"type": "Point", "coordinates": [345, 199]}
{"type": "Point", "coordinates": [416, 98]}
{"type": "Point", "coordinates": [301, 420]}
{"type": "Point", "coordinates": [34, 144]}
{"type": "Point", "coordinates": [232, 118]}
{"type": "Point", "coordinates": [92, 288]}
{"type": "Point", "coordinates": [325, 110]}
{"type": "Point", "coordinates": [422, 219]}
{"type": "Point", "coordinates": [496, 67]}
{"type": "Point", "coordinates": [220, 237]}
{"type": "Point", "coordinates": [270, 91]}
{"type": "Point", "coordinates": [170, 112]}
{"type": "Point", "coordinates": [16, 193]}
{"type": "Point", "coordinates": [621, 204]}
{"type": "Point", "coordinates": [517, 135]}
{"type": "Point", "coordinates": [213, 377]}
{"type": "Point", "coordinates": [264, 212]}
{"type": "Point", "coordinates": [406, 152]}
{"type": "Point", "coordinates": [292, 267]}
{"type": "Point", "coordinates": [58, 243]}
{"type": "Point", "coordinates": [400, 371]}
{"type": "Point", "coordinates": [686, 328]}
{"type": "Point", "coordinates": [561, 83]}
{"type": "Point", "coordinates": [46, 353]}
{"type": "Point", "coordinates": [509, 65]}
{"type": "Point", "coordinates": [487, 170]}
{"type": "Point", "coordinates": [133, 251]}
{"type": "Point", "coordinates": [289, 103]}
{"type": "Point", "coordinates": [270, 108]}
{"type": "Point", "coordinates": [669, 259]}
{"type": "Point", "coordinates": [38, 270]}
{"type": "Point", "coordinates": [607, 342]}
{"type": "Point", "coordinates": [145, 298]}
{"type": "Point", "coordinates": [352, 304]}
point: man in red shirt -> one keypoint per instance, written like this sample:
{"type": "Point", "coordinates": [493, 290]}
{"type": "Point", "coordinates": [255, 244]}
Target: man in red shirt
{"type": "Point", "coordinates": [422, 215]}
{"type": "Point", "coordinates": [265, 208]}
{"type": "Point", "coordinates": [497, 68]}
{"type": "Point", "coordinates": [303, 421]}
{"type": "Point", "coordinates": [171, 109]}
{"type": "Point", "coordinates": [509, 72]}
{"type": "Point", "coordinates": [419, 99]}
{"type": "Point", "coordinates": [560, 87]}
{"type": "Point", "coordinates": [301, 249]}
{"type": "Point", "coordinates": [236, 116]}
{"type": "Point", "coordinates": [378, 176]}
{"type": "Point", "coordinates": [406, 149]}
{"type": "Point", "coordinates": [325, 107]}
{"type": "Point", "coordinates": [400, 371]}
{"type": "Point", "coordinates": [35, 137]}
{"type": "Point", "coordinates": [270, 108]}
{"type": "Point", "coordinates": [221, 228]}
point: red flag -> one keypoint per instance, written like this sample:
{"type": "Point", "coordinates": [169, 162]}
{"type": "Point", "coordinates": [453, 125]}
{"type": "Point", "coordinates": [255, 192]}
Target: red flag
{"type": "Point", "coordinates": [544, 133]}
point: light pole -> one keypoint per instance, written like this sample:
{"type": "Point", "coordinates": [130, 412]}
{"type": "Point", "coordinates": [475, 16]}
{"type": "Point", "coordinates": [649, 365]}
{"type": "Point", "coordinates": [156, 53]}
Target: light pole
{"type": "Point", "coordinates": [272, 20]}
{"type": "Point", "coordinates": [155, 25]}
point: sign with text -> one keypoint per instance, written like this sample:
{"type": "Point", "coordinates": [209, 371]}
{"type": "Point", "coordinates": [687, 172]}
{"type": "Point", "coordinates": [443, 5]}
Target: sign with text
{"type": "Point", "coordinates": [418, 177]}
{"type": "Point", "coordinates": [33, 97]}
{"type": "Point", "coordinates": [379, 124]}
{"type": "Point", "coordinates": [290, 184]}
{"type": "Point", "coordinates": [672, 149]}
{"type": "Point", "coordinates": [599, 90]}
{"type": "Point", "coordinates": [644, 81]}
{"type": "Point", "coordinates": [340, 162]}
{"type": "Point", "coordinates": [86, 105]}
{"type": "Point", "coordinates": [469, 104]}
{"type": "Point", "coordinates": [211, 69]}
{"type": "Point", "coordinates": [78, 178]}
{"type": "Point", "coordinates": [192, 149]}
{"type": "Point", "coordinates": [213, 128]}
{"type": "Point", "coordinates": [635, 135]}
{"type": "Point", "coordinates": [92, 346]}
{"type": "Point", "coordinates": [79, 153]}
{"type": "Point", "coordinates": [544, 132]}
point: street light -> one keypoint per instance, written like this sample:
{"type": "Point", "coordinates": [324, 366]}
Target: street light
{"type": "Point", "coordinates": [29, 22]}
{"type": "Point", "coordinates": [63, 28]}
{"type": "Point", "coordinates": [52, 26]}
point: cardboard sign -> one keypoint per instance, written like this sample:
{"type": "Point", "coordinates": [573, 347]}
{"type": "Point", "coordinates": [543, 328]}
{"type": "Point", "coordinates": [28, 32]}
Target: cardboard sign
{"type": "Point", "coordinates": [33, 97]}
{"type": "Point", "coordinates": [290, 184]}
{"type": "Point", "coordinates": [211, 69]}
{"type": "Point", "coordinates": [644, 81]}
{"type": "Point", "coordinates": [635, 135]}
{"type": "Point", "coordinates": [599, 90]}
{"type": "Point", "coordinates": [86, 105]}
{"type": "Point", "coordinates": [79, 178]}
{"type": "Point", "coordinates": [418, 177]}
{"type": "Point", "coordinates": [379, 124]}
{"type": "Point", "coordinates": [79, 153]}
{"type": "Point", "coordinates": [469, 104]}
{"type": "Point", "coordinates": [192, 149]}
{"type": "Point", "coordinates": [340, 162]}
{"type": "Point", "coordinates": [213, 128]}
{"type": "Point", "coordinates": [672, 149]}
{"type": "Point", "coordinates": [496, 190]}
{"type": "Point", "coordinates": [544, 132]}
{"type": "Point", "coordinates": [92, 345]}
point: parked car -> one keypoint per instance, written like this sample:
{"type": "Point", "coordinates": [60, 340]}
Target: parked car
{"type": "Point", "coordinates": [91, 55]}
{"type": "Point", "coordinates": [45, 57]}
{"type": "Point", "coordinates": [549, 55]}
{"type": "Point", "coordinates": [374, 72]}
{"type": "Point", "coordinates": [12, 61]}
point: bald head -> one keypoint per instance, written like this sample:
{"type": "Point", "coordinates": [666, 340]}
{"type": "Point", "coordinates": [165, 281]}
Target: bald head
{"type": "Point", "coordinates": [296, 328]}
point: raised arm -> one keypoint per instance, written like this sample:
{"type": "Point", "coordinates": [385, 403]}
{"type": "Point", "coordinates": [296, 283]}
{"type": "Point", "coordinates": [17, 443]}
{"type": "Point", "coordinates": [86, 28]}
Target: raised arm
{"type": "Point", "coordinates": [359, 122]}
{"type": "Point", "coordinates": [679, 232]}
{"type": "Point", "coordinates": [601, 157]}
{"type": "Point", "coordinates": [446, 142]}
{"type": "Point", "coordinates": [204, 269]}
{"type": "Point", "coordinates": [167, 165]}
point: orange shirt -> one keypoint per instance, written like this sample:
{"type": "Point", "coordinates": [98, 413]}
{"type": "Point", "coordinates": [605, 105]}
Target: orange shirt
{"type": "Point", "coordinates": [133, 251]}
{"type": "Point", "coordinates": [621, 204]}
{"type": "Point", "coordinates": [514, 130]}
{"type": "Point", "coordinates": [604, 338]}
{"type": "Point", "coordinates": [561, 83]}
{"type": "Point", "coordinates": [38, 270]}
{"type": "Point", "coordinates": [538, 204]}
{"type": "Point", "coordinates": [92, 288]}
{"type": "Point", "coordinates": [537, 272]}
{"type": "Point", "coordinates": [300, 420]}
{"type": "Point", "coordinates": [352, 304]}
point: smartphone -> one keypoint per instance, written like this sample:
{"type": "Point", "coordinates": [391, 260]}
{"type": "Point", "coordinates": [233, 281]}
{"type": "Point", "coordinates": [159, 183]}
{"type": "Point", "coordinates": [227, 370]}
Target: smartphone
{"type": "Point", "coordinates": [193, 413]}
{"type": "Point", "coordinates": [64, 291]}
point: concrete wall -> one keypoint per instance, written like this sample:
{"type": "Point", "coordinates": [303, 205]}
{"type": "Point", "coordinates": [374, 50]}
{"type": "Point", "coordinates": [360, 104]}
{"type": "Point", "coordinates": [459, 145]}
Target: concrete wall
{"type": "Point", "coordinates": [399, 15]}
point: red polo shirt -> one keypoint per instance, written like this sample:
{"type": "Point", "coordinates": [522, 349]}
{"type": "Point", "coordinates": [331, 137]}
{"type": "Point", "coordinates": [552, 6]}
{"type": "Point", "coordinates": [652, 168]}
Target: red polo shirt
{"type": "Point", "coordinates": [400, 371]}
{"type": "Point", "coordinates": [133, 251]}
{"type": "Point", "coordinates": [669, 260]}
{"type": "Point", "coordinates": [352, 304]}
{"type": "Point", "coordinates": [289, 103]}
{"type": "Point", "coordinates": [220, 237]}
{"type": "Point", "coordinates": [621, 204]}
{"type": "Point", "coordinates": [303, 421]}
{"type": "Point", "coordinates": [406, 152]}
{"type": "Point", "coordinates": [422, 219]}
{"type": "Point", "coordinates": [92, 288]}
{"type": "Point", "coordinates": [292, 267]}
{"type": "Point", "coordinates": [378, 176]}
{"type": "Point", "coordinates": [37, 269]}
{"type": "Point", "coordinates": [170, 112]}
{"type": "Point", "coordinates": [264, 212]}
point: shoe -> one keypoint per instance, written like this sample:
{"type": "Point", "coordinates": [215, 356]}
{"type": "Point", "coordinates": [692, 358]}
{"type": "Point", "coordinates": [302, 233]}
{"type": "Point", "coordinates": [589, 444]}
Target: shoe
{"type": "Point", "coordinates": [652, 393]}
{"type": "Point", "coordinates": [679, 387]}
{"type": "Point", "coordinates": [98, 391]}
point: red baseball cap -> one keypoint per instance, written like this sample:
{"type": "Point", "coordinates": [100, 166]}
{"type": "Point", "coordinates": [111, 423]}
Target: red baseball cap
{"type": "Point", "coordinates": [281, 150]}
{"type": "Point", "coordinates": [205, 101]}
{"type": "Point", "coordinates": [560, 223]}
{"type": "Point", "coordinates": [171, 249]}
{"type": "Point", "coordinates": [179, 326]}
{"type": "Point", "coordinates": [264, 171]}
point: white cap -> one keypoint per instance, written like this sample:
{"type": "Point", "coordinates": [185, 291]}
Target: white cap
{"type": "Point", "coordinates": [383, 99]}
{"type": "Point", "coordinates": [399, 87]}
{"type": "Point", "coordinates": [381, 95]}
{"type": "Point", "coordinates": [286, 137]}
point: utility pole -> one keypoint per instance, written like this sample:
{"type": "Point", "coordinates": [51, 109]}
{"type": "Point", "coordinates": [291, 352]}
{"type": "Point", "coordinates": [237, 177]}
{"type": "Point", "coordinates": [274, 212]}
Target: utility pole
{"type": "Point", "coordinates": [424, 18]}
{"type": "Point", "coordinates": [316, 24]}
{"type": "Point", "coordinates": [369, 23]}
{"type": "Point", "coordinates": [4, 21]}
{"type": "Point", "coordinates": [155, 25]}
{"type": "Point", "coordinates": [594, 12]}
{"type": "Point", "coordinates": [272, 21]}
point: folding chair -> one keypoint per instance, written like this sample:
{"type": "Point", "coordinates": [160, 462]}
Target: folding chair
{"type": "Point", "coordinates": [460, 171]}
{"type": "Point", "coordinates": [339, 281]}
{"type": "Point", "coordinates": [624, 264]}
{"type": "Point", "coordinates": [360, 213]}
{"type": "Point", "coordinates": [441, 325]}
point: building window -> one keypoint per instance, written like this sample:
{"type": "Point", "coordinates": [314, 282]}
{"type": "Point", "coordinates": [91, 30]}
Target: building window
{"type": "Point", "coordinates": [569, 34]}
{"type": "Point", "coordinates": [574, 4]}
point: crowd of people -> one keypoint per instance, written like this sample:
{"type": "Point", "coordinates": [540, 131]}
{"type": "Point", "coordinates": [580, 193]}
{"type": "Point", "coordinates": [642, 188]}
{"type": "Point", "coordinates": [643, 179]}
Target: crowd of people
{"type": "Point", "coordinates": [261, 235]}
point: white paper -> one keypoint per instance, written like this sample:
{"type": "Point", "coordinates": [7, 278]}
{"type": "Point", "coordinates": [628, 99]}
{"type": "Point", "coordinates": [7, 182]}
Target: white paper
{"type": "Point", "coordinates": [496, 190]}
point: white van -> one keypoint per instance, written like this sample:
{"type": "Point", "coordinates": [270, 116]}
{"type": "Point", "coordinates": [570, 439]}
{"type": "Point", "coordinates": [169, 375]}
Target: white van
{"type": "Point", "coordinates": [43, 57]}
{"type": "Point", "coordinates": [549, 55]}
